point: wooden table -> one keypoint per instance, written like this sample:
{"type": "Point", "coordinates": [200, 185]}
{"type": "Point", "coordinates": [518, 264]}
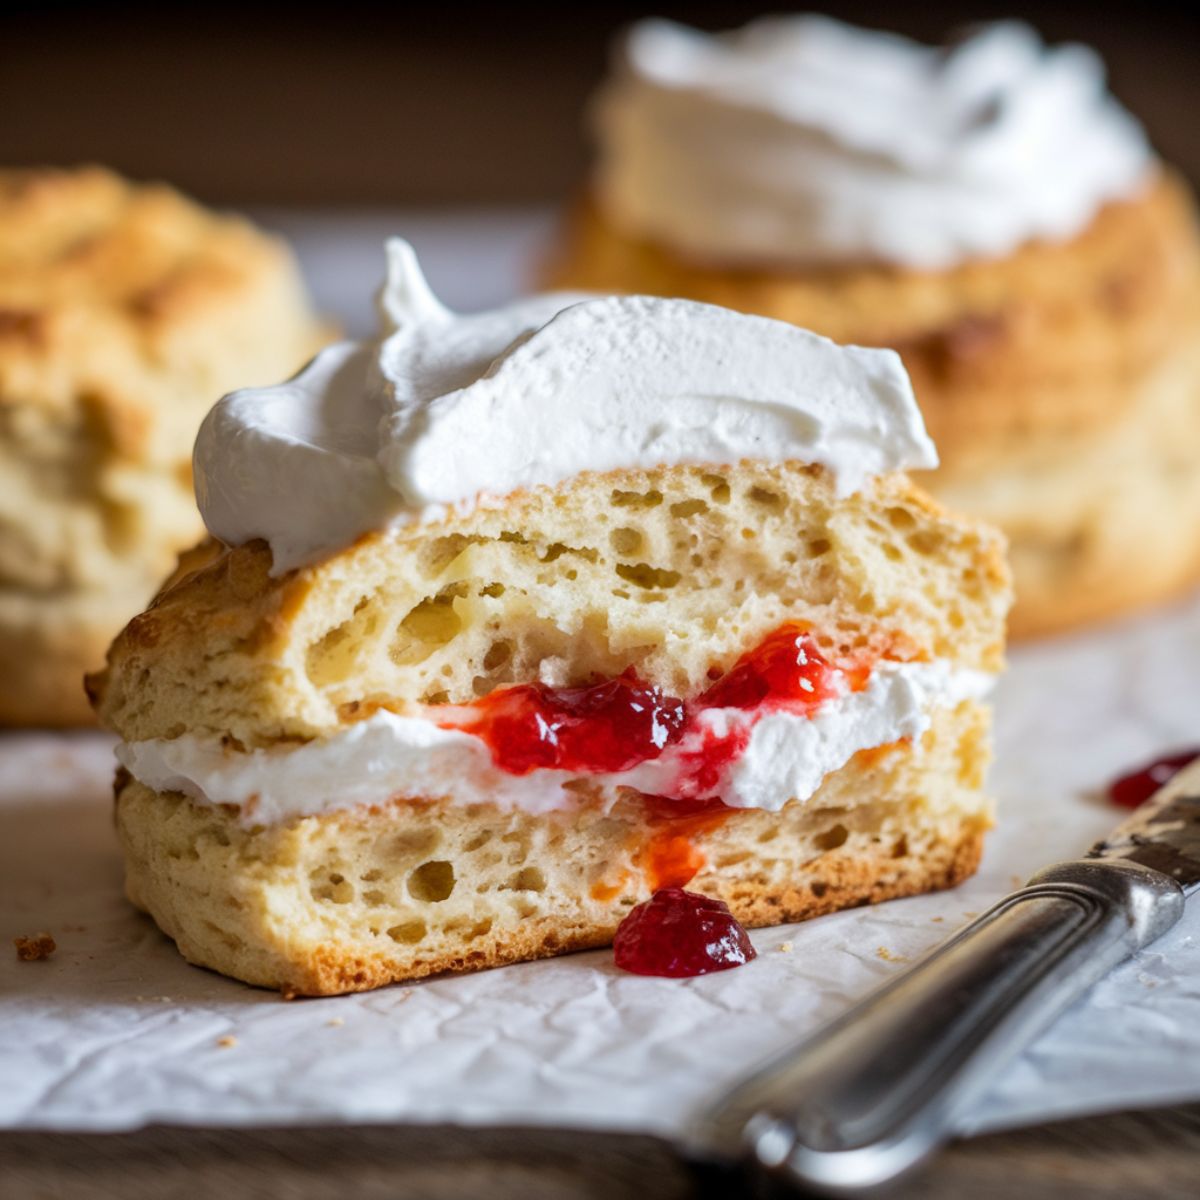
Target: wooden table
{"type": "Point", "coordinates": [1130, 1156]}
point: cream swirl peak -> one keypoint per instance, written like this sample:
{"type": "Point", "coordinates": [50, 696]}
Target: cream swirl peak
{"type": "Point", "coordinates": [447, 411]}
{"type": "Point", "coordinates": [803, 140]}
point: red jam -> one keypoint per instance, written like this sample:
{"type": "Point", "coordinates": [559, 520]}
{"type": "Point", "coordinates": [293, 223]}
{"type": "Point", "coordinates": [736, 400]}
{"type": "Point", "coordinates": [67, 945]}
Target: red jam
{"type": "Point", "coordinates": [670, 858]}
{"type": "Point", "coordinates": [678, 934]}
{"type": "Point", "coordinates": [786, 667]}
{"type": "Point", "coordinates": [1138, 786]}
{"type": "Point", "coordinates": [610, 726]}
{"type": "Point", "coordinates": [616, 724]}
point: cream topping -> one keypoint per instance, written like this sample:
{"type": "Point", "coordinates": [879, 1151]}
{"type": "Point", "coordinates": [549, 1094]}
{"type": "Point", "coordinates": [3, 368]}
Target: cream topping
{"type": "Point", "coordinates": [801, 139]}
{"type": "Point", "coordinates": [444, 411]}
{"type": "Point", "coordinates": [390, 757]}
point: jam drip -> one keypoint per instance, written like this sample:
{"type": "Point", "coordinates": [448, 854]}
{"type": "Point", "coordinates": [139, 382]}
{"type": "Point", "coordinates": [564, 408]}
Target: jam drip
{"type": "Point", "coordinates": [616, 724]}
{"type": "Point", "coordinates": [1139, 785]}
{"type": "Point", "coordinates": [678, 934]}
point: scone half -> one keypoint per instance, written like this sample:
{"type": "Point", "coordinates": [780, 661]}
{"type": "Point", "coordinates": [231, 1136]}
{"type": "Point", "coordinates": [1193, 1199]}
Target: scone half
{"type": "Point", "coordinates": [321, 793]}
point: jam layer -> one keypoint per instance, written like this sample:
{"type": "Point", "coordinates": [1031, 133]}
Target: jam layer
{"type": "Point", "coordinates": [617, 724]}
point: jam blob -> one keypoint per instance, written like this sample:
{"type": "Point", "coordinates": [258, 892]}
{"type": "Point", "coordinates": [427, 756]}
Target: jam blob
{"type": "Point", "coordinates": [678, 934]}
{"type": "Point", "coordinates": [609, 726]}
{"type": "Point", "coordinates": [615, 724]}
{"type": "Point", "coordinates": [786, 668]}
{"type": "Point", "coordinates": [1139, 785]}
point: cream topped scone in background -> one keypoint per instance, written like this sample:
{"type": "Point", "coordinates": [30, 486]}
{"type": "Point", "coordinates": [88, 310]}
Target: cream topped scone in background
{"type": "Point", "coordinates": [988, 210]}
{"type": "Point", "coordinates": [523, 615]}
{"type": "Point", "coordinates": [125, 312]}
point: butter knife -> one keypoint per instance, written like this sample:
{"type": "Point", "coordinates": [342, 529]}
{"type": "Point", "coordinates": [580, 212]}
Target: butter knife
{"type": "Point", "coordinates": [876, 1091]}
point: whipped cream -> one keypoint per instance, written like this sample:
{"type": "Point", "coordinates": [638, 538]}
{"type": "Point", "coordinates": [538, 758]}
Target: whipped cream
{"type": "Point", "coordinates": [389, 756]}
{"type": "Point", "coordinates": [800, 139]}
{"type": "Point", "coordinates": [443, 411]}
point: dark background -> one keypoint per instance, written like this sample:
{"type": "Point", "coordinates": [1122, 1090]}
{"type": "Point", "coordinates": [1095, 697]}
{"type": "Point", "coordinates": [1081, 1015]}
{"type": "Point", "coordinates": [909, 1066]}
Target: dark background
{"type": "Point", "coordinates": [428, 103]}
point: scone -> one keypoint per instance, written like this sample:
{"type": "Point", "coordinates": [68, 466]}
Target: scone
{"type": "Point", "coordinates": [523, 615]}
{"type": "Point", "coordinates": [125, 312]}
{"type": "Point", "coordinates": [990, 212]}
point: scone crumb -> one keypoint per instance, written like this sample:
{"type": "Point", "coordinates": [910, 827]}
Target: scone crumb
{"type": "Point", "coordinates": [334, 1022]}
{"type": "Point", "coordinates": [287, 992]}
{"type": "Point", "coordinates": [227, 1041]}
{"type": "Point", "coordinates": [887, 956]}
{"type": "Point", "coordinates": [35, 948]}
{"type": "Point", "coordinates": [784, 947]}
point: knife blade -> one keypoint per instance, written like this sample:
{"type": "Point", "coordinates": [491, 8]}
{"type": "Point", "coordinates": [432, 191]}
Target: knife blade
{"type": "Point", "coordinates": [1164, 833]}
{"type": "Point", "coordinates": [876, 1091]}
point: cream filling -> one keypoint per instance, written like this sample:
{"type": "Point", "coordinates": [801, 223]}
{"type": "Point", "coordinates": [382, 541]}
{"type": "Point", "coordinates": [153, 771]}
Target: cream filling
{"type": "Point", "coordinates": [390, 757]}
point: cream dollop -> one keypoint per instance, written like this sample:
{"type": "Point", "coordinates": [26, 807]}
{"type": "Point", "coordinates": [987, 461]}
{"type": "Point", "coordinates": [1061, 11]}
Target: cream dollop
{"type": "Point", "coordinates": [445, 411]}
{"type": "Point", "coordinates": [390, 756]}
{"type": "Point", "coordinates": [801, 139]}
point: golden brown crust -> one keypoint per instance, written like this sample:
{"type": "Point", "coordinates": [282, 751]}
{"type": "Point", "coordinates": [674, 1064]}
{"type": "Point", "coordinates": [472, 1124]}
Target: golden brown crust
{"type": "Point", "coordinates": [1035, 367]}
{"type": "Point", "coordinates": [44, 662]}
{"type": "Point", "coordinates": [36, 948]}
{"type": "Point", "coordinates": [1104, 521]}
{"type": "Point", "coordinates": [125, 312]}
{"type": "Point", "coordinates": [357, 898]}
{"type": "Point", "coordinates": [846, 883]}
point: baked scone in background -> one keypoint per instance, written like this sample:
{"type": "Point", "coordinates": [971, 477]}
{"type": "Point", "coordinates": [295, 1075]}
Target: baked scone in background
{"type": "Point", "coordinates": [126, 311]}
{"type": "Point", "coordinates": [1059, 373]}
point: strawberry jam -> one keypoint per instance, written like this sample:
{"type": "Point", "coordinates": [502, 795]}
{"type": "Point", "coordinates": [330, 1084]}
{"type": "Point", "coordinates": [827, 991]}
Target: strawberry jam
{"type": "Point", "coordinates": [785, 668]}
{"type": "Point", "coordinates": [670, 857]}
{"type": "Point", "coordinates": [1138, 786]}
{"type": "Point", "coordinates": [610, 726]}
{"type": "Point", "coordinates": [615, 724]}
{"type": "Point", "coordinates": [678, 934]}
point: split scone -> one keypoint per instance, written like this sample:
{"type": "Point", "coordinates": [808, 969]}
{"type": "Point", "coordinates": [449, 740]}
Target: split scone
{"type": "Point", "coordinates": [990, 212]}
{"type": "Point", "coordinates": [125, 312]}
{"type": "Point", "coordinates": [521, 616]}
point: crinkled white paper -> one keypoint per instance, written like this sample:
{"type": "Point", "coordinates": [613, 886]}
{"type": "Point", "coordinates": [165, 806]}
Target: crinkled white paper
{"type": "Point", "coordinates": [116, 1030]}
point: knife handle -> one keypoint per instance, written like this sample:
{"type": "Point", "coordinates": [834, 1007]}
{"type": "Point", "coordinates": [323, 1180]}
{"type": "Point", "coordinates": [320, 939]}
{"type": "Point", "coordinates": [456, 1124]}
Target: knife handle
{"type": "Point", "coordinates": [871, 1095]}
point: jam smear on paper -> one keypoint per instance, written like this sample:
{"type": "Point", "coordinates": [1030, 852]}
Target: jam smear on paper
{"type": "Point", "coordinates": [679, 934]}
{"type": "Point", "coordinates": [1139, 785]}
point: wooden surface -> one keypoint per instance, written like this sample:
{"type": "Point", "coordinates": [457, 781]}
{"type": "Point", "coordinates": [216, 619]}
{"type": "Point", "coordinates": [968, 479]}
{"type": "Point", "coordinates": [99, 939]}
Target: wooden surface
{"type": "Point", "coordinates": [241, 102]}
{"type": "Point", "coordinates": [1127, 1156]}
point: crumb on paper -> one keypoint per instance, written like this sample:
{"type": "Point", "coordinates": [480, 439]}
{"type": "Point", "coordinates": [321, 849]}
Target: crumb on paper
{"type": "Point", "coordinates": [334, 1022]}
{"type": "Point", "coordinates": [35, 948]}
{"type": "Point", "coordinates": [937, 918]}
{"type": "Point", "coordinates": [288, 992]}
{"type": "Point", "coordinates": [887, 956]}
{"type": "Point", "coordinates": [970, 915]}
{"type": "Point", "coordinates": [784, 947]}
{"type": "Point", "coordinates": [227, 1041]}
